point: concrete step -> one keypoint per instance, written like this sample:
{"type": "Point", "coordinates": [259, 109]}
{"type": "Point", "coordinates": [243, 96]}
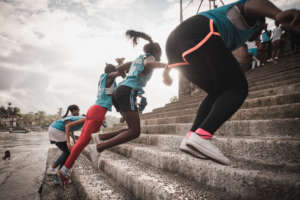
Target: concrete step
{"type": "Point", "coordinates": [249, 103]}
{"type": "Point", "coordinates": [148, 183]}
{"type": "Point", "coordinates": [50, 189]}
{"type": "Point", "coordinates": [281, 90]}
{"type": "Point", "coordinates": [272, 69]}
{"type": "Point", "coordinates": [87, 183]}
{"type": "Point", "coordinates": [242, 184]}
{"type": "Point", "coordinates": [93, 184]}
{"type": "Point", "coordinates": [275, 84]}
{"type": "Point", "coordinates": [257, 75]}
{"type": "Point", "coordinates": [284, 75]}
{"type": "Point", "coordinates": [267, 128]}
{"type": "Point", "coordinates": [270, 112]}
{"type": "Point", "coordinates": [271, 153]}
{"type": "Point", "coordinates": [281, 66]}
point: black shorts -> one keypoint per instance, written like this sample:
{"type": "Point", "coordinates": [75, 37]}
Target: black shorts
{"type": "Point", "coordinates": [124, 99]}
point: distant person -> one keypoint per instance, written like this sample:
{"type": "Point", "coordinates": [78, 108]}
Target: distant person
{"type": "Point", "coordinates": [60, 132]}
{"type": "Point", "coordinates": [276, 41]}
{"type": "Point", "coordinates": [200, 48]}
{"type": "Point", "coordinates": [6, 155]}
{"type": "Point", "coordinates": [94, 118]}
{"type": "Point", "coordinates": [266, 44]}
{"type": "Point", "coordinates": [252, 49]}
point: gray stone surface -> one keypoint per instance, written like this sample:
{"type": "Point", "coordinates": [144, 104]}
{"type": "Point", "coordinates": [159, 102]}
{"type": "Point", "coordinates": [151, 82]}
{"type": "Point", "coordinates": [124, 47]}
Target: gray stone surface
{"type": "Point", "coordinates": [87, 183]}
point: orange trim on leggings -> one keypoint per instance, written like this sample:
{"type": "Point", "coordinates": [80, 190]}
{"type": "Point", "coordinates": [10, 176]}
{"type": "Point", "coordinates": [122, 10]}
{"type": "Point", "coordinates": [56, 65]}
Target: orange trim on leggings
{"type": "Point", "coordinates": [211, 32]}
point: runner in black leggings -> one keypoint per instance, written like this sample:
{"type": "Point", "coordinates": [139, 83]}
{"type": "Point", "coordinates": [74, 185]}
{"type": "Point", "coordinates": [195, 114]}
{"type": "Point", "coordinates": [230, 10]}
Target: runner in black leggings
{"type": "Point", "coordinates": [201, 47]}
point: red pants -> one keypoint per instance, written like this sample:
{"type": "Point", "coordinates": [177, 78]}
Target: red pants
{"type": "Point", "coordinates": [92, 124]}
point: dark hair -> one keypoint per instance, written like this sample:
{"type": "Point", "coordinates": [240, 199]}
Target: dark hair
{"type": "Point", "coordinates": [71, 108]}
{"type": "Point", "coordinates": [152, 48]}
{"type": "Point", "coordinates": [109, 68]}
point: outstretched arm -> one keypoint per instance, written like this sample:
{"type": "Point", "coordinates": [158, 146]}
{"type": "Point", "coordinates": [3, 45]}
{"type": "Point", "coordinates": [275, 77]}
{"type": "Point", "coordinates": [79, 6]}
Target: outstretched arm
{"type": "Point", "coordinates": [264, 8]}
{"type": "Point", "coordinates": [124, 67]}
{"type": "Point", "coordinates": [68, 126]}
{"type": "Point", "coordinates": [155, 64]}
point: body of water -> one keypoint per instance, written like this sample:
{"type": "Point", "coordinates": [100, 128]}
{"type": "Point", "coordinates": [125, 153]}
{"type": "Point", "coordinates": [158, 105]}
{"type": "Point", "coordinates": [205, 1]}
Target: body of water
{"type": "Point", "coordinates": [21, 176]}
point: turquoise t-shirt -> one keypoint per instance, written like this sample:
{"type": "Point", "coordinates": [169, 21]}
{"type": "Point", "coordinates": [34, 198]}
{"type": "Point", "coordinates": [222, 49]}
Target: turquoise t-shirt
{"type": "Point", "coordinates": [265, 37]}
{"type": "Point", "coordinates": [103, 99]}
{"type": "Point", "coordinates": [60, 124]}
{"type": "Point", "coordinates": [233, 37]}
{"type": "Point", "coordinates": [133, 78]}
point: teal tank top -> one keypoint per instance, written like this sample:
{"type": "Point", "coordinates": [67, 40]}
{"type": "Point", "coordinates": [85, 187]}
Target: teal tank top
{"type": "Point", "coordinates": [133, 78]}
{"type": "Point", "coordinates": [104, 98]}
{"type": "Point", "coordinates": [60, 124]}
{"type": "Point", "coordinates": [232, 36]}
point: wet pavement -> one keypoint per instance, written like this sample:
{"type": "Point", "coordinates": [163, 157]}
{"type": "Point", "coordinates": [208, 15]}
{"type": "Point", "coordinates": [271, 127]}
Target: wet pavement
{"type": "Point", "coordinates": [21, 176]}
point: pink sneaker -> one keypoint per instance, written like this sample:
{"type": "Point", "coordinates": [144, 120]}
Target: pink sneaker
{"type": "Point", "coordinates": [64, 180]}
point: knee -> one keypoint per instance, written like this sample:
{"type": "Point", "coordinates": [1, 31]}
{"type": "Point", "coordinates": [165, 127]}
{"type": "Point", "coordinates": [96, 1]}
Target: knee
{"type": "Point", "coordinates": [134, 133]}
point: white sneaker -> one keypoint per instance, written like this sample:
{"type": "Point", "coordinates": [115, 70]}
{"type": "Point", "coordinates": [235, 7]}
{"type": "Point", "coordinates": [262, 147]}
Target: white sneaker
{"type": "Point", "coordinates": [187, 149]}
{"type": "Point", "coordinates": [207, 148]}
{"type": "Point", "coordinates": [51, 171]}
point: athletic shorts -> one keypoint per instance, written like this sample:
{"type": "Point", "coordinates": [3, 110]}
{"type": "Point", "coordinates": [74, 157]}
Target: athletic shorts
{"type": "Point", "coordinates": [124, 99]}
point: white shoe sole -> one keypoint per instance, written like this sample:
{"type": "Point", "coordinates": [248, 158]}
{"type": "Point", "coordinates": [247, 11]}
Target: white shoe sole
{"type": "Point", "coordinates": [183, 147]}
{"type": "Point", "coordinates": [51, 173]}
{"type": "Point", "coordinates": [207, 148]}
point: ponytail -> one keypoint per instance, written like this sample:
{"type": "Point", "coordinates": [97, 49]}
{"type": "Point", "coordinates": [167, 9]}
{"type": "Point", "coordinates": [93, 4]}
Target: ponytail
{"type": "Point", "coordinates": [152, 48]}
{"type": "Point", "coordinates": [135, 35]}
{"type": "Point", "coordinates": [70, 108]}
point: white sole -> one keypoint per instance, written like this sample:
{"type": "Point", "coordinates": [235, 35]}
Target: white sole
{"type": "Point", "coordinates": [183, 147]}
{"type": "Point", "coordinates": [195, 142]}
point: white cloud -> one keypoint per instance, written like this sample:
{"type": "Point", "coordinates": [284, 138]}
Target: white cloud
{"type": "Point", "coordinates": [57, 49]}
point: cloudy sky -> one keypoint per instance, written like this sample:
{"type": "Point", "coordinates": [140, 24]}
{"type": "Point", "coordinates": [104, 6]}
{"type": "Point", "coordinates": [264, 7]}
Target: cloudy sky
{"type": "Point", "coordinates": [53, 51]}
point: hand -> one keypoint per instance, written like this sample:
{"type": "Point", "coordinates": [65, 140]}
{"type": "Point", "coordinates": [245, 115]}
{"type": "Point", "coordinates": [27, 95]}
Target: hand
{"type": "Point", "coordinates": [289, 19]}
{"type": "Point", "coordinates": [69, 146]}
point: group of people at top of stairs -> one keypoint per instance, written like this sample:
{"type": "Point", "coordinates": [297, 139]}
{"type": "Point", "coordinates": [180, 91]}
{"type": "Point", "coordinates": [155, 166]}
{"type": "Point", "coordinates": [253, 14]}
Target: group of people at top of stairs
{"type": "Point", "coordinates": [201, 49]}
{"type": "Point", "coordinates": [270, 45]}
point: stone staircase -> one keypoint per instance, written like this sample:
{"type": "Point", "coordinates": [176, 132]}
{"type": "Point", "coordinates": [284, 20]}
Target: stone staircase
{"type": "Point", "coordinates": [262, 140]}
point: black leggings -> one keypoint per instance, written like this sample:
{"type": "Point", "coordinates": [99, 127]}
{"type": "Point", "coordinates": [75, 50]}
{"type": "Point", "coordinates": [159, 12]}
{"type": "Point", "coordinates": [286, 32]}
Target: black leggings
{"type": "Point", "coordinates": [65, 153]}
{"type": "Point", "coordinates": [213, 68]}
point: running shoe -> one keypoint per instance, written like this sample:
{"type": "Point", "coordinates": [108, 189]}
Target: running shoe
{"type": "Point", "coordinates": [187, 149]}
{"type": "Point", "coordinates": [51, 171]}
{"type": "Point", "coordinates": [207, 148]}
{"type": "Point", "coordinates": [64, 180]}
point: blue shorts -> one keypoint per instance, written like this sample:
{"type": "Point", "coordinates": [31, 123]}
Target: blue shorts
{"type": "Point", "coordinates": [253, 51]}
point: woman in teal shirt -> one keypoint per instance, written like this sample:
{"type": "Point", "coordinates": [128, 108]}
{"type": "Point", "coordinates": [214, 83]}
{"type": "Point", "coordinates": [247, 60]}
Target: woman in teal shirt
{"type": "Point", "coordinates": [59, 133]}
{"type": "Point", "coordinates": [201, 46]}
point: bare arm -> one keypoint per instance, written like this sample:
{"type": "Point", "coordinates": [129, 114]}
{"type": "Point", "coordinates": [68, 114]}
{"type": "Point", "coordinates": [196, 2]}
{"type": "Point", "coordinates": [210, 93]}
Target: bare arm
{"type": "Point", "coordinates": [264, 8]}
{"type": "Point", "coordinates": [124, 67]}
{"type": "Point", "coordinates": [72, 135]}
{"type": "Point", "coordinates": [111, 77]}
{"type": "Point", "coordinates": [154, 64]}
{"type": "Point", "coordinates": [68, 126]}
